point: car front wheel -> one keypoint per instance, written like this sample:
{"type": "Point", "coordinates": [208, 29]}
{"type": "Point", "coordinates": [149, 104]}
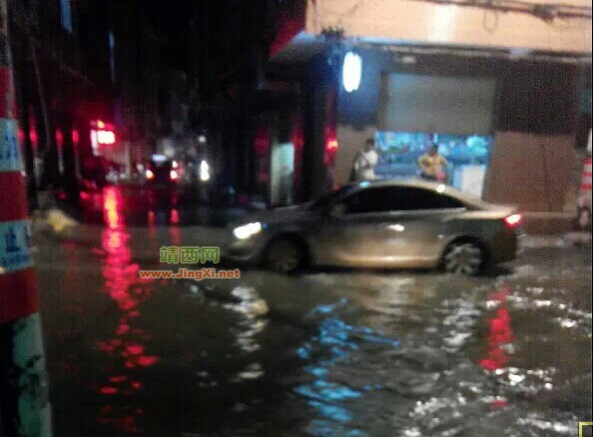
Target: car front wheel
{"type": "Point", "coordinates": [285, 256]}
{"type": "Point", "coordinates": [464, 258]}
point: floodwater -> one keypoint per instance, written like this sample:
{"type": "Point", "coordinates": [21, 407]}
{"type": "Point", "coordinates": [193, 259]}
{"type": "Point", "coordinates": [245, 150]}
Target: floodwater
{"type": "Point", "coordinates": [326, 353]}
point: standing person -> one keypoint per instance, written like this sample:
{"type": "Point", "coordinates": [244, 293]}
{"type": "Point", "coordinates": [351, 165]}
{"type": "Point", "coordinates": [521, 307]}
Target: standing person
{"type": "Point", "coordinates": [365, 161]}
{"type": "Point", "coordinates": [433, 166]}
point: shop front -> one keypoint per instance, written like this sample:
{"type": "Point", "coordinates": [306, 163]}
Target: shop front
{"type": "Point", "coordinates": [454, 113]}
{"type": "Point", "coordinates": [467, 157]}
{"type": "Point", "coordinates": [500, 101]}
{"type": "Point", "coordinates": [504, 125]}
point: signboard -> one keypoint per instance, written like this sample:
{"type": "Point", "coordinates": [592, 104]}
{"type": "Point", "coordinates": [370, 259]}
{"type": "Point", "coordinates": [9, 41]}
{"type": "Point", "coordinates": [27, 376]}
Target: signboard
{"type": "Point", "coordinates": [102, 134]}
{"type": "Point", "coordinates": [10, 154]}
{"type": "Point", "coordinates": [472, 179]}
{"type": "Point", "coordinates": [15, 246]}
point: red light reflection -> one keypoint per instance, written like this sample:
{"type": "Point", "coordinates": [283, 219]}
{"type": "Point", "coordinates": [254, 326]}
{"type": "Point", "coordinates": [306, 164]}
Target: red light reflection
{"type": "Point", "coordinates": [151, 219]}
{"type": "Point", "coordinates": [498, 403]}
{"type": "Point", "coordinates": [112, 204]}
{"type": "Point", "coordinates": [59, 138]}
{"type": "Point", "coordinates": [500, 334]}
{"type": "Point", "coordinates": [174, 217]}
{"type": "Point", "coordinates": [34, 138]}
{"type": "Point", "coordinates": [126, 347]}
{"type": "Point", "coordinates": [108, 390]}
{"type": "Point", "coordinates": [175, 235]}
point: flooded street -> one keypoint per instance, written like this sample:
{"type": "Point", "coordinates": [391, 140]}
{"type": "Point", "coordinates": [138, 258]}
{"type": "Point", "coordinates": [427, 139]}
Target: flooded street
{"type": "Point", "coordinates": [325, 353]}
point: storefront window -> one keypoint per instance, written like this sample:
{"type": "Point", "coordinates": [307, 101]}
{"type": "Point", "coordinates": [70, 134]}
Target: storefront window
{"type": "Point", "coordinates": [468, 157]}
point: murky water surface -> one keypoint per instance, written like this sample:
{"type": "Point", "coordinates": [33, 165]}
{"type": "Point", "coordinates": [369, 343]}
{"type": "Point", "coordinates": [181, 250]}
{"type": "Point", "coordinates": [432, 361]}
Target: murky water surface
{"type": "Point", "coordinates": [323, 354]}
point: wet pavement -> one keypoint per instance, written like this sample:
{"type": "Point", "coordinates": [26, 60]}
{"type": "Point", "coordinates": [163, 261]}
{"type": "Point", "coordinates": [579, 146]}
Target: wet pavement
{"type": "Point", "coordinates": [325, 353]}
{"type": "Point", "coordinates": [146, 206]}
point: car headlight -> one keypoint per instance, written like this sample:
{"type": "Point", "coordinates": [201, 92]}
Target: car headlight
{"type": "Point", "coordinates": [248, 230]}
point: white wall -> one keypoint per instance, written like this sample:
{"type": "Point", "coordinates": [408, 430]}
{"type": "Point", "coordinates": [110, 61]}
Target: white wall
{"type": "Point", "coordinates": [453, 105]}
{"type": "Point", "coordinates": [410, 21]}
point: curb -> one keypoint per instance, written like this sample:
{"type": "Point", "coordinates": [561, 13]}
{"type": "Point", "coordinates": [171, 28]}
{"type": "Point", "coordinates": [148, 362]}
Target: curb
{"type": "Point", "coordinates": [556, 241]}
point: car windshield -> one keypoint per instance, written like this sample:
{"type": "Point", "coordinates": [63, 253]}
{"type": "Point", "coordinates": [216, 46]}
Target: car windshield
{"type": "Point", "coordinates": [327, 199]}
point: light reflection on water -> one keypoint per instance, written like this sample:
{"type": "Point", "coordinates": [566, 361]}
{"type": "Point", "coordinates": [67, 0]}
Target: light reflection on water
{"type": "Point", "coordinates": [334, 344]}
{"type": "Point", "coordinates": [252, 309]}
{"type": "Point", "coordinates": [500, 334]}
{"type": "Point", "coordinates": [351, 372]}
{"type": "Point", "coordinates": [126, 348]}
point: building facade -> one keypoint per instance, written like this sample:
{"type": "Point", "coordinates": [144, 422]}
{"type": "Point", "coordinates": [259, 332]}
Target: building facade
{"type": "Point", "coordinates": [80, 66]}
{"type": "Point", "coordinates": [61, 81]}
{"type": "Point", "coordinates": [499, 90]}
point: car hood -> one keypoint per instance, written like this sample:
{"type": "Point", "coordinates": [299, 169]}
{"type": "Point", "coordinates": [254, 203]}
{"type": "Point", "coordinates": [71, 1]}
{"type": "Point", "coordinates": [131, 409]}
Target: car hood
{"type": "Point", "coordinates": [277, 215]}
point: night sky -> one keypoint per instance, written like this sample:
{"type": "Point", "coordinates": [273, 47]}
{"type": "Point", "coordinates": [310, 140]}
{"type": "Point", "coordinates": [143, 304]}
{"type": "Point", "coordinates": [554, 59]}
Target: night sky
{"type": "Point", "coordinates": [209, 38]}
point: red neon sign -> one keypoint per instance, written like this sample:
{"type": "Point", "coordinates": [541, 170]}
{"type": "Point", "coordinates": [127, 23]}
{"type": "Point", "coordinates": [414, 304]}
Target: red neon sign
{"type": "Point", "coordinates": [105, 137]}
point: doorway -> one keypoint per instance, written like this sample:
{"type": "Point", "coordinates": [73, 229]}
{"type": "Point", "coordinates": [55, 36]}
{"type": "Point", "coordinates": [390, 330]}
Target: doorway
{"type": "Point", "coordinates": [281, 174]}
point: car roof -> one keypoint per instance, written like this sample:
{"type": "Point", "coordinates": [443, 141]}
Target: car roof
{"type": "Point", "coordinates": [419, 183]}
{"type": "Point", "coordinates": [415, 183]}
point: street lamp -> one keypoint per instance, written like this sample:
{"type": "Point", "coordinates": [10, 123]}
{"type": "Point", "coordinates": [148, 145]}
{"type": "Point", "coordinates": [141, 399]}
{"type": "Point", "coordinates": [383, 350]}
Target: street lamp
{"type": "Point", "coordinates": [351, 71]}
{"type": "Point", "coordinates": [204, 171]}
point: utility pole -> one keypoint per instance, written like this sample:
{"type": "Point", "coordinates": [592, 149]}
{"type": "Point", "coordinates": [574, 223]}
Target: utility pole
{"type": "Point", "coordinates": [24, 398]}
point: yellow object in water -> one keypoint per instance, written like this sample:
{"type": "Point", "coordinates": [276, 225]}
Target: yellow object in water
{"type": "Point", "coordinates": [59, 221]}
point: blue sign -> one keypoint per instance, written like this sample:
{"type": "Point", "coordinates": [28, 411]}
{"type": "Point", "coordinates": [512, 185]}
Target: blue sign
{"type": "Point", "coordinates": [15, 246]}
{"type": "Point", "coordinates": [10, 155]}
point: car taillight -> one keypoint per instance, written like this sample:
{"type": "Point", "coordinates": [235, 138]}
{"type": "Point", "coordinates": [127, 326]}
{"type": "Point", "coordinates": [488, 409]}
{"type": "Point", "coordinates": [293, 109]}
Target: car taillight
{"type": "Point", "coordinates": [513, 221]}
{"type": "Point", "coordinates": [173, 175]}
{"type": "Point", "coordinates": [149, 174]}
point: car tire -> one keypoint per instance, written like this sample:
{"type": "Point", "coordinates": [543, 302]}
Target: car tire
{"type": "Point", "coordinates": [285, 255]}
{"type": "Point", "coordinates": [464, 257]}
{"type": "Point", "coordinates": [584, 219]}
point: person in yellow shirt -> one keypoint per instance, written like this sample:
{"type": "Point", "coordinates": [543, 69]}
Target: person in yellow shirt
{"type": "Point", "coordinates": [433, 166]}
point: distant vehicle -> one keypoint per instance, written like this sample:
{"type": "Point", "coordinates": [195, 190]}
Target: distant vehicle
{"type": "Point", "coordinates": [161, 171]}
{"type": "Point", "coordinates": [381, 224]}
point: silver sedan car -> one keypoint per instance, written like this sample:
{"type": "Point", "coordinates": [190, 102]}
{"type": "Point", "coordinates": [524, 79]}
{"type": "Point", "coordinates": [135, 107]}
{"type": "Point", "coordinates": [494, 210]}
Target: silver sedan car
{"type": "Point", "coordinates": [381, 224]}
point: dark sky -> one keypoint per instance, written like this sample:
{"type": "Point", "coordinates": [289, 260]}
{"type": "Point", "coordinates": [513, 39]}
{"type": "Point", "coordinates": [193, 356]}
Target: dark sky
{"type": "Point", "coordinates": [213, 31]}
{"type": "Point", "coordinates": [215, 42]}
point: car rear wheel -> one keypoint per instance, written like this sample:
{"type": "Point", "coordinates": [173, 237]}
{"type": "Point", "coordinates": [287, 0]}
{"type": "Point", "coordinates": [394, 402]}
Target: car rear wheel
{"type": "Point", "coordinates": [285, 256]}
{"type": "Point", "coordinates": [464, 258]}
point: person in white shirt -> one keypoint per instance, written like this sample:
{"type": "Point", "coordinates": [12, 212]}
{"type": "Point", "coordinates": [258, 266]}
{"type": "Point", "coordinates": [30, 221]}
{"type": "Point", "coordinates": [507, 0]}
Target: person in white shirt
{"type": "Point", "coordinates": [365, 161]}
